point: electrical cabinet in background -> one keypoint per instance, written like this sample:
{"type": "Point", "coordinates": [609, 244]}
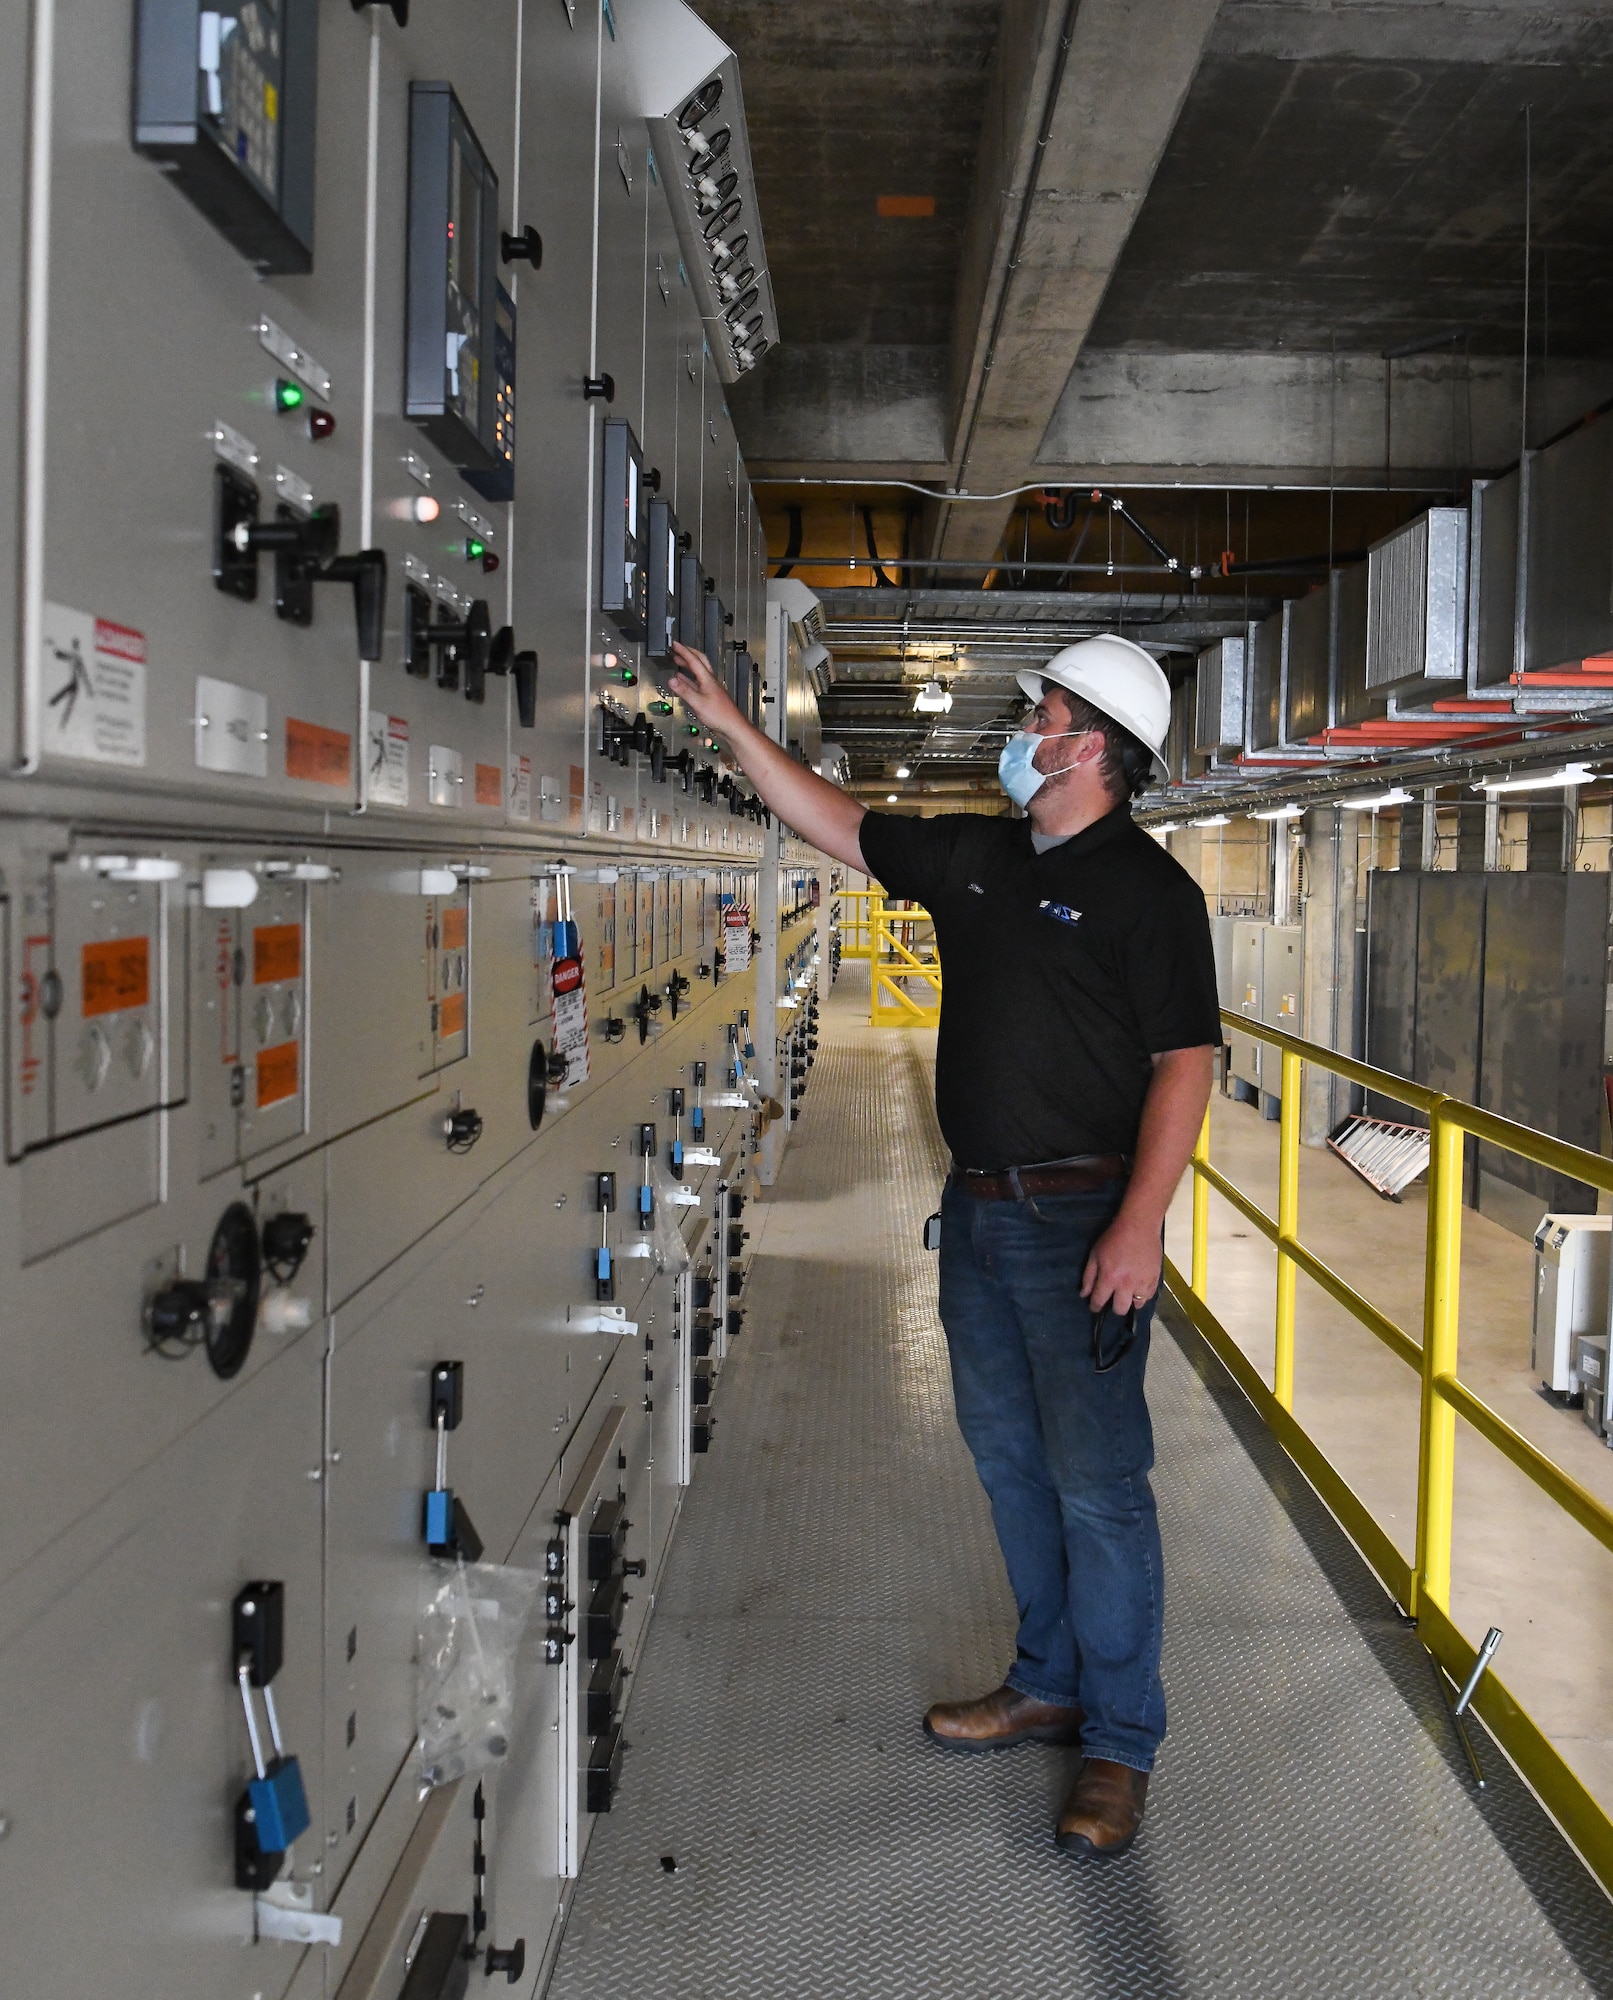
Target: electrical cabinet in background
{"type": "Point", "coordinates": [451, 370]}
{"type": "Point", "coordinates": [1571, 1295]}
{"type": "Point", "coordinates": [224, 99]}
{"type": "Point", "coordinates": [1282, 970]}
{"type": "Point", "coordinates": [623, 583]}
{"type": "Point", "coordinates": [1248, 986]}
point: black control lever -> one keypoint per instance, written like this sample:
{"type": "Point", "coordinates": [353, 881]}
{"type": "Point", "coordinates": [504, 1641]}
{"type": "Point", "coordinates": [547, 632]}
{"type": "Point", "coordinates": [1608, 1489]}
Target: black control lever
{"type": "Point", "coordinates": [525, 669]}
{"type": "Point", "coordinates": [511, 1963]}
{"type": "Point", "coordinates": [470, 641]}
{"type": "Point", "coordinates": [400, 14]}
{"type": "Point", "coordinates": [527, 247]}
{"type": "Point", "coordinates": [366, 572]}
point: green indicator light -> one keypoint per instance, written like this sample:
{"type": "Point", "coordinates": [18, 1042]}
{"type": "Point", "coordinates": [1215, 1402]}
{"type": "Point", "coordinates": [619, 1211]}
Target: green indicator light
{"type": "Point", "coordinates": [475, 548]}
{"type": "Point", "coordinates": [288, 395]}
{"type": "Point", "coordinates": [626, 676]}
{"type": "Point", "coordinates": [660, 708]}
{"type": "Point", "coordinates": [691, 729]}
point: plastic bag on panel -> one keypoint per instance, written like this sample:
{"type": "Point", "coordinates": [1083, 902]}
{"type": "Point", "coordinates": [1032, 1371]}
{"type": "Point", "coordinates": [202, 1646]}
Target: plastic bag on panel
{"type": "Point", "coordinates": [469, 1636]}
{"type": "Point", "coordinates": [672, 1199]}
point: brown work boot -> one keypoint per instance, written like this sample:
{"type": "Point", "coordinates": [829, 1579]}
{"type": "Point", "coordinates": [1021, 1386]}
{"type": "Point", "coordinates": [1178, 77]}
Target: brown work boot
{"type": "Point", "coordinates": [995, 1721]}
{"type": "Point", "coordinates": [1104, 1810]}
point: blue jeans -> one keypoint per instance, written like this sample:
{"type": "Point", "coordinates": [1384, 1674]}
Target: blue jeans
{"type": "Point", "coordinates": [1064, 1453]}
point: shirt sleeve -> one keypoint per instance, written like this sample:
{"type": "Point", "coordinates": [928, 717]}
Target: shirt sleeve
{"type": "Point", "coordinates": [1170, 971]}
{"type": "Point", "coordinates": [910, 857]}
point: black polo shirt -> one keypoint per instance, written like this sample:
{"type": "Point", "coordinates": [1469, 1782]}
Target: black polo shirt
{"type": "Point", "coordinates": [1064, 973]}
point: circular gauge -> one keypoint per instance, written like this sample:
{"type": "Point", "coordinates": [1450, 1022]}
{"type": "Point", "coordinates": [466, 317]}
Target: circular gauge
{"type": "Point", "coordinates": [701, 105]}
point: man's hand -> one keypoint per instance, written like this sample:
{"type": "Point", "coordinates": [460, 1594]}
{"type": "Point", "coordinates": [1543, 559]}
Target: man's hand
{"type": "Point", "coordinates": [1124, 1268]}
{"type": "Point", "coordinates": [700, 691]}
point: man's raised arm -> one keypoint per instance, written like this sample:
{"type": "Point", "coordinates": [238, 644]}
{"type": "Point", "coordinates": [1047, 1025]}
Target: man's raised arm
{"type": "Point", "coordinates": [818, 811]}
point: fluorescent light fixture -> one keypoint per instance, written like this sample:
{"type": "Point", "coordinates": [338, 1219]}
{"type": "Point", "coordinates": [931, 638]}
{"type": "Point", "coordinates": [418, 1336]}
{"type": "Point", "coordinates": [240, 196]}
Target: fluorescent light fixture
{"type": "Point", "coordinates": [1280, 812]}
{"type": "Point", "coordinates": [890, 799]}
{"type": "Point", "coordinates": [932, 699]}
{"type": "Point", "coordinates": [1215, 819]}
{"type": "Point", "coordinates": [1539, 781]}
{"type": "Point", "coordinates": [1169, 826]}
{"type": "Point", "coordinates": [1396, 795]}
{"type": "Point", "coordinates": [903, 772]}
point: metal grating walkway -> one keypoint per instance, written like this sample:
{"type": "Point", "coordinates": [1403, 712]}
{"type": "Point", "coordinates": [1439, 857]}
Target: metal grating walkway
{"type": "Point", "coordinates": [1310, 1830]}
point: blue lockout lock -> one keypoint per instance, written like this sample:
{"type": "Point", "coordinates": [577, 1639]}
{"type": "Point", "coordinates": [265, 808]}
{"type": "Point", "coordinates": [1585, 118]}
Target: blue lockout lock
{"type": "Point", "coordinates": [273, 1810]}
{"type": "Point", "coordinates": [646, 1205]}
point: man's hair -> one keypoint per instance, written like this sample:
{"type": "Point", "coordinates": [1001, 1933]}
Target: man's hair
{"type": "Point", "coordinates": [1127, 764]}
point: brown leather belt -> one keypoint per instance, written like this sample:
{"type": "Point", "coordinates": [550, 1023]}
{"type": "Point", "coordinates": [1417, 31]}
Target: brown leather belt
{"type": "Point", "coordinates": [1057, 1177]}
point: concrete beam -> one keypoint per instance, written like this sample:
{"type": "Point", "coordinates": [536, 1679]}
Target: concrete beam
{"type": "Point", "coordinates": [1296, 419]}
{"type": "Point", "coordinates": [1117, 73]}
{"type": "Point", "coordinates": [830, 408]}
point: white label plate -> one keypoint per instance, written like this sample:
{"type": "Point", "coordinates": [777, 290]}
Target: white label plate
{"type": "Point", "coordinates": [232, 728]}
{"type": "Point", "coordinates": [386, 751]}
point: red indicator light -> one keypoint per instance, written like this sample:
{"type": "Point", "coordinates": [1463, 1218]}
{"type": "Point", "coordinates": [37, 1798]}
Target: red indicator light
{"type": "Point", "coordinates": [320, 424]}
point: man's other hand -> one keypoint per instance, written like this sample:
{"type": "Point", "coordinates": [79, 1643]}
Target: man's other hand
{"type": "Point", "coordinates": [1124, 1268]}
{"type": "Point", "coordinates": [700, 691]}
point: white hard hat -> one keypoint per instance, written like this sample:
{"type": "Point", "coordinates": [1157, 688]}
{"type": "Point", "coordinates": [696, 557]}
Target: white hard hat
{"type": "Point", "coordinates": [1119, 679]}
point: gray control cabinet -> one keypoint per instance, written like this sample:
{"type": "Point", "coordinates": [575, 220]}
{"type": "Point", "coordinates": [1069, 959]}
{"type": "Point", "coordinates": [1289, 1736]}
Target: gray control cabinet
{"type": "Point", "coordinates": [306, 761]}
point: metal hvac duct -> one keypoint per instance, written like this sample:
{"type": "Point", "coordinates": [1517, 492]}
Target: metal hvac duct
{"type": "Point", "coordinates": [1417, 607]}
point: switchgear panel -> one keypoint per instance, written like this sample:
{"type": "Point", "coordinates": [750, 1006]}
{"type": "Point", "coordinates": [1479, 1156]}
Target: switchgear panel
{"type": "Point", "coordinates": [452, 374]}
{"type": "Point", "coordinates": [664, 581]}
{"type": "Point", "coordinates": [224, 99]}
{"type": "Point", "coordinates": [693, 584]}
{"type": "Point", "coordinates": [623, 583]}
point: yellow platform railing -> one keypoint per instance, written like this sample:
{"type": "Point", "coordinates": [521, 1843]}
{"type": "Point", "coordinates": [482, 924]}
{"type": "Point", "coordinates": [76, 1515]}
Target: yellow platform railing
{"type": "Point", "coordinates": [900, 959]}
{"type": "Point", "coordinates": [1423, 1586]}
{"type": "Point", "coordinates": [855, 908]}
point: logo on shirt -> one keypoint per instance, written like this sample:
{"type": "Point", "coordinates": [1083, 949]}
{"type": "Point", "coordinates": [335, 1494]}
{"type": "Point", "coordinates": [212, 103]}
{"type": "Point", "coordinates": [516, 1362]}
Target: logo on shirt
{"type": "Point", "coordinates": [1061, 912]}
{"type": "Point", "coordinates": [977, 888]}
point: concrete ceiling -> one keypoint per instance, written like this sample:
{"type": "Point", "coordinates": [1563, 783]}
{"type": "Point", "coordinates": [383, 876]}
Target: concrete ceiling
{"type": "Point", "coordinates": [1171, 243]}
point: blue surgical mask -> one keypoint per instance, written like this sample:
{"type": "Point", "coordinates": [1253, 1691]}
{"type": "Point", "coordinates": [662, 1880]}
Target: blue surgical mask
{"type": "Point", "coordinates": [1016, 767]}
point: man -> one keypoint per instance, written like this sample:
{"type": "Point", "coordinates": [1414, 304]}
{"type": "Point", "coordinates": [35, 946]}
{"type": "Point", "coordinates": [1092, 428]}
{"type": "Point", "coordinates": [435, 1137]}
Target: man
{"type": "Point", "coordinates": [1073, 1069]}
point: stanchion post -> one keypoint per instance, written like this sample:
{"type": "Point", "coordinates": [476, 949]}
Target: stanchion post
{"type": "Point", "coordinates": [1436, 1454]}
{"type": "Point", "coordinates": [1282, 1375]}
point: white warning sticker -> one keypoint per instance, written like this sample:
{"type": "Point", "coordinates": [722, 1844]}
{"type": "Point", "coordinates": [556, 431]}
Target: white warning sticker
{"type": "Point", "coordinates": [94, 680]}
{"type": "Point", "coordinates": [386, 753]}
{"type": "Point", "coordinates": [518, 788]}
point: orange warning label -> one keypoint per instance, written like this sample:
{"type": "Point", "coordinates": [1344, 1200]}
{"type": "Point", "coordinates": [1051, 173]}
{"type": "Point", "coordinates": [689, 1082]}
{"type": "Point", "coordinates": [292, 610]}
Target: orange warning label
{"type": "Point", "coordinates": [489, 785]}
{"type": "Point", "coordinates": [277, 1074]}
{"type": "Point", "coordinates": [116, 974]}
{"type": "Point", "coordinates": [455, 927]}
{"type": "Point", "coordinates": [276, 953]}
{"type": "Point", "coordinates": [323, 756]}
{"type": "Point", "coordinates": [451, 1021]}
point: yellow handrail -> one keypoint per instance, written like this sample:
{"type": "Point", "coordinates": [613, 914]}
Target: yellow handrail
{"type": "Point", "coordinates": [857, 908]}
{"type": "Point", "coordinates": [1423, 1587]}
{"type": "Point", "coordinates": [895, 964]}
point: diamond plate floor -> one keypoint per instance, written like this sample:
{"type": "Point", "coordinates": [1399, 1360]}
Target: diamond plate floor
{"type": "Point", "coordinates": [1310, 1831]}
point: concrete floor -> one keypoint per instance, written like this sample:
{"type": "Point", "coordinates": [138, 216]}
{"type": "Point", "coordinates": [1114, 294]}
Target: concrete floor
{"type": "Point", "coordinates": [784, 1828]}
{"type": "Point", "coordinates": [1518, 1562]}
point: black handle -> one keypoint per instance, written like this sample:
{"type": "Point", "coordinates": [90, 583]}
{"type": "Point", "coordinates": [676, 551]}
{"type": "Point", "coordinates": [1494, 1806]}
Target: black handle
{"type": "Point", "coordinates": [311, 540]}
{"type": "Point", "coordinates": [511, 1963]}
{"type": "Point", "coordinates": [400, 9]}
{"type": "Point", "coordinates": [599, 385]}
{"type": "Point", "coordinates": [366, 572]}
{"type": "Point", "coordinates": [525, 669]}
{"type": "Point", "coordinates": [525, 248]}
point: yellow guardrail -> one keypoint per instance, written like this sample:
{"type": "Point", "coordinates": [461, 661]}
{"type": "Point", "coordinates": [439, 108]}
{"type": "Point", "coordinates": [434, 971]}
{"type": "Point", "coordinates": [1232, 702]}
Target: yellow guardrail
{"type": "Point", "coordinates": [899, 960]}
{"type": "Point", "coordinates": [855, 906]}
{"type": "Point", "coordinates": [1423, 1586]}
